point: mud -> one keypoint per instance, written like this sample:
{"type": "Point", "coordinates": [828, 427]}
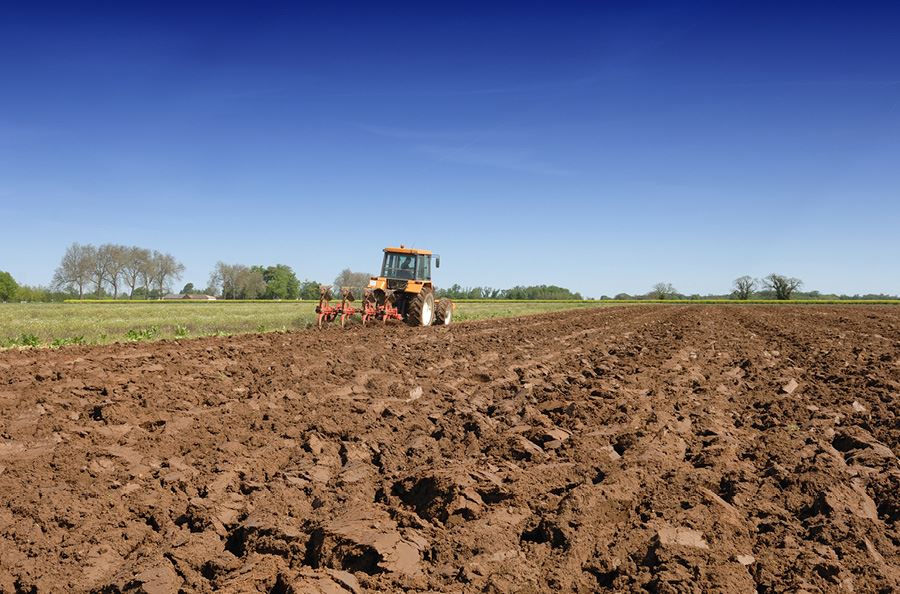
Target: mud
{"type": "Point", "coordinates": [667, 449]}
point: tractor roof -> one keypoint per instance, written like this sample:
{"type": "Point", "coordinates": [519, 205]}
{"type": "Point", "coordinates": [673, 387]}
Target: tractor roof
{"type": "Point", "coordinates": [405, 250]}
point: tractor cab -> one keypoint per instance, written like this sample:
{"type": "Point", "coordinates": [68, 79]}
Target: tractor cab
{"type": "Point", "coordinates": [407, 264]}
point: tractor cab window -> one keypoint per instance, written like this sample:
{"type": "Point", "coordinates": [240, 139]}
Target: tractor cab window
{"type": "Point", "coordinates": [397, 265]}
{"type": "Point", "coordinates": [424, 270]}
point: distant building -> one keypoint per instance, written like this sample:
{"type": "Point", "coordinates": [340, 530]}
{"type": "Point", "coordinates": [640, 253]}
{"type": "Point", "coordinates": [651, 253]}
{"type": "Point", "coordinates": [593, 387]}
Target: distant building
{"type": "Point", "coordinates": [191, 297]}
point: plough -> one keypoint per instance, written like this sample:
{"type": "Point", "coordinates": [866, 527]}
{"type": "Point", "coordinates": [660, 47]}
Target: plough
{"type": "Point", "coordinates": [371, 309]}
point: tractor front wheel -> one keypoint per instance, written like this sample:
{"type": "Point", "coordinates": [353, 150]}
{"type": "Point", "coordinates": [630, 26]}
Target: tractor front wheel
{"type": "Point", "coordinates": [420, 309]}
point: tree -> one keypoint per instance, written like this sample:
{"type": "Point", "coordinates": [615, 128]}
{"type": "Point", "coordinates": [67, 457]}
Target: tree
{"type": "Point", "coordinates": [147, 270]}
{"type": "Point", "coordinates": [250, 283]}
{"type": "Point", "coordinates": [782, 286]}
{"type": "Point", "coordinates": [100, 264]}
{"type": "Point", "coordinates": [136, 266]}
{"type": "Point", "coordinates": [75, 269]}
{"type": "Point", "coordinates": [540, 292]}
{"type": "Point", "coordinates": [352, 280]}
{"type": "Point", "coordinates": [115, 257]}
{"type": "Point", "coordinates": [663, 291]}
{"type": "Point", "coordinates": [744, 287]}
{"type": "Point", "coordinates": [164, 268]}
{"type": "Point", "coordinates": [9, 288]}
{"type": "Point", "coordinates": [224, 279]}
{"type": "Point", "coordinates": [187, 289]}
{"type": "Point", "coordinates": [37, 294]}
{"type": "Point", "coordinates": [281, 282]}
{"type": "Point", "coordinates": [237, 281]}
{"type": "Point", "coordinates": [309, 290]}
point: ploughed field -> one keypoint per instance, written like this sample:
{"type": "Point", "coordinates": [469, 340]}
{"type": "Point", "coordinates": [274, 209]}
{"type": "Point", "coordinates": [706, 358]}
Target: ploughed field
{"type": "Point", "coordinates": [666, 448]}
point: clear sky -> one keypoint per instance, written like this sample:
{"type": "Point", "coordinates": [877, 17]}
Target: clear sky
{"type": "Point", "coordinates": [602, 146]}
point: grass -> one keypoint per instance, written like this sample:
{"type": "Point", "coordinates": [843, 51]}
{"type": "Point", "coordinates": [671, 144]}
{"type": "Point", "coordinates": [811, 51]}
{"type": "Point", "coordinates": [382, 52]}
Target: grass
{"type": "Point", "coordinates": [60, 324]}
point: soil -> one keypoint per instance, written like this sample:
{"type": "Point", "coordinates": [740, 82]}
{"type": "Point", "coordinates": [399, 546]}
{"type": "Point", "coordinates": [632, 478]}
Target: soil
{"type": "Point", "coordinates": [657, 448]}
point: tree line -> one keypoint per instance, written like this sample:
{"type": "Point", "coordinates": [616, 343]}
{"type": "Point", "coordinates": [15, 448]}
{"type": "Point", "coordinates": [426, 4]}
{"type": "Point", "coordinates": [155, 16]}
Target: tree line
{"type": "Point", "coordinates": [774, 286]}
{"type": "Point", "coordinates": [109, 268]}
{"type": "Point", "coordinates": [116, 271]}
{"type": "Point", "coordinates": [239, 281]}
{"type": "Point", "coordinates": [519, 292]}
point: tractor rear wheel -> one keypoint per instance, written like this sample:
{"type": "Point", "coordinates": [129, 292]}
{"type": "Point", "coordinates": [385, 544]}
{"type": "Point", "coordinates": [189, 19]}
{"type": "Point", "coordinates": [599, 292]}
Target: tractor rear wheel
{"type": "Point", "coordinates": [443, 312]}
{"type": "Point", "coordinates": [420, 309]}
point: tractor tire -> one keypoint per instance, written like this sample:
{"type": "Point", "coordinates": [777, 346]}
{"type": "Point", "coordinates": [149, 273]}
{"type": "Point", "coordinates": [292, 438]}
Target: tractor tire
{"type": "Point", "coordinates": [420, 309]}
{"type": "Point", "coordinates": [443, 312]}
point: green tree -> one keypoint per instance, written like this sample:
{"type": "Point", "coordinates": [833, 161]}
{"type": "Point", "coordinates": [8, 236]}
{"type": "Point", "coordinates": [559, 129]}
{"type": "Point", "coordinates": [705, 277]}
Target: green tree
{"type": "Point", "coordinates": [8, 286]}
{"type": "Point", "coordinates": [187, 289]}
{"type": "Point", "coordinates": [281, 282]}
{"type": "Point", "coordinates": [37, 294]}
{"type": "Point", "coordinates": [540, 292]}
{"type": "Point", "coordinates": [309, 290]}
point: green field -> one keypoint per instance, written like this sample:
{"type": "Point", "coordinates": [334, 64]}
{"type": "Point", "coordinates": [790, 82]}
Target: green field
{"type": "Point", "coordinates": [57, 324]}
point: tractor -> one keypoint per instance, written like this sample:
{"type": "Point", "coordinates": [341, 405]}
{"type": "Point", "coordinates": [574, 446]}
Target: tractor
{"type": "Point", "coordinates": [403, 291]}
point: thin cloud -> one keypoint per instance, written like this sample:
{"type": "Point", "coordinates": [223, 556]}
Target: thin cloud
{"type": "Point", "coordinates": [432, 135]}
{"type": "Point", "coordinates": [803, 83]}
{"type": "Point", "coordinates": [566, 85]}
{"type": "Point", "coordinates": [466, 147]}
{"type": "Point", "coordinates": [500, 158]}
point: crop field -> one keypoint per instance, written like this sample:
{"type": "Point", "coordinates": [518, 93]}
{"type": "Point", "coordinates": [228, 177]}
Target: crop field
{"type": "Point", "coordinates": [672, 448]}
{"type": "Point", "coordinates": [60, 324]}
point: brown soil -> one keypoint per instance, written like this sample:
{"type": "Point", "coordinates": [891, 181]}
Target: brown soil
{"type": "Point", "coordinates": [659, 448]}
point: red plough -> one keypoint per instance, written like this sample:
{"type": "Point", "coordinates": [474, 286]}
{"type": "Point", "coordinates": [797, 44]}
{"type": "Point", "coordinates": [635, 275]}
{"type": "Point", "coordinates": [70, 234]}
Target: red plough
{"type": "Point", "coordinates": [370, 310]}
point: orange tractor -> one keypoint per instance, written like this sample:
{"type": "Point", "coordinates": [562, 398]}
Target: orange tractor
{"type": "Point", "coordinates": [403, 291]}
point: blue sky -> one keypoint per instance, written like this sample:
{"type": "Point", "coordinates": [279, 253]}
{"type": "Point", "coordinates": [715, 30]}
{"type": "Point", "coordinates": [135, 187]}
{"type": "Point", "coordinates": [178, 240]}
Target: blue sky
{"type": "Point", "coordinates": [601, 146]}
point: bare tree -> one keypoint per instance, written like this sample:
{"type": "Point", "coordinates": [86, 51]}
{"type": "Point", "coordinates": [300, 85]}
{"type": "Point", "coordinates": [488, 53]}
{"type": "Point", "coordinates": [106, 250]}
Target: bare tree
{"type": "Point", "coordinates": [100, 268]}
{"type": "Point", "coordinates": [663, 291]}
{"type": "Point", "coordinates": [744, 287]}
{"type": "Point", "coordinates": [164, 268]}
{"type": "Point", "coordinates": [782, 285]}
{"type": "Point", "coordinates": [224, 279]}
{"type": "Point", "coordinates": [148, 268]}
{"type": "Point", "coordinates": [237, 281]}
{"type": "Point", "coordinates": [250, 283]}
{"type": "Point", "coordinates": [352, 280]}
{"type": "Point", "coordinates": [136, 263]}
{"type": "Point", "coordinates": [116, 259]}
{"type": "Point", "coordinates": [74, 271]}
